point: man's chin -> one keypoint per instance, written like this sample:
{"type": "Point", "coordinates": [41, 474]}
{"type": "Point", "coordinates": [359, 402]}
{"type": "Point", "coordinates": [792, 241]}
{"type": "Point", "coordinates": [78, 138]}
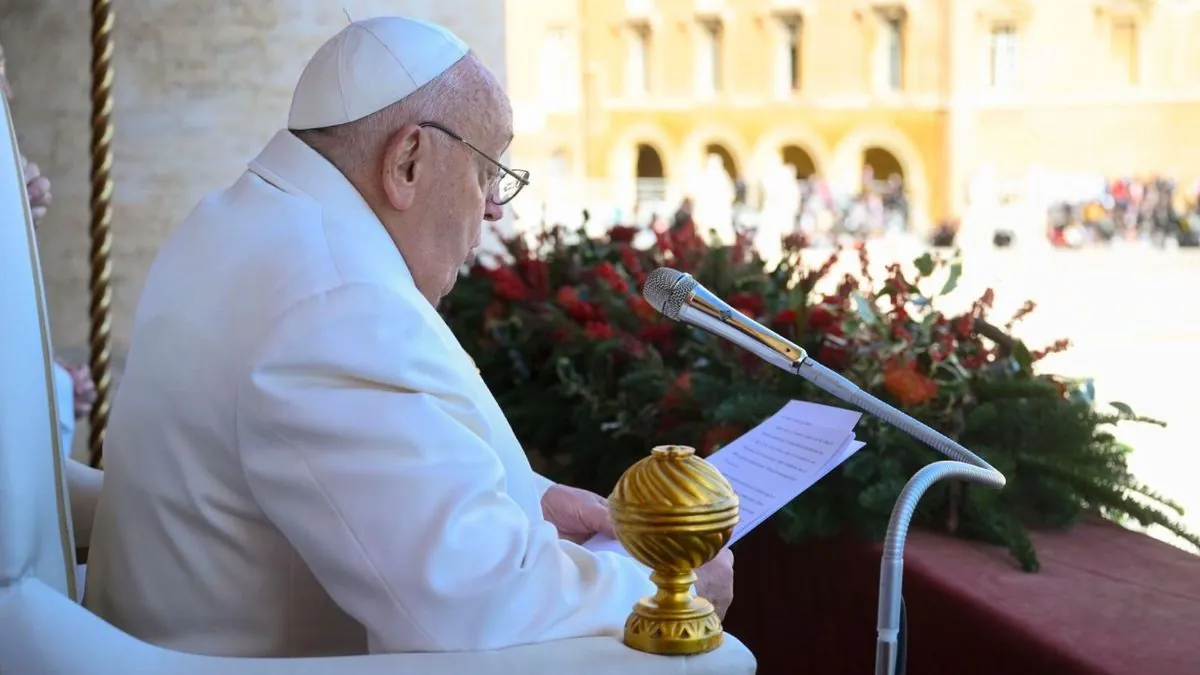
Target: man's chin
{"type": "Point", "coordinates": [446, 291]}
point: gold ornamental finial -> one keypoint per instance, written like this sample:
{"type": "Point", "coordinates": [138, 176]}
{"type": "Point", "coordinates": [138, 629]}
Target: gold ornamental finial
{"type": "Point", "coordinates": [673, 512]}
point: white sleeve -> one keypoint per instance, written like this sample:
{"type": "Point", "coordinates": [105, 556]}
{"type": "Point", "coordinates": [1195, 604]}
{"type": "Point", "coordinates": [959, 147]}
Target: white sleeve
{"type": "Point", "coordinates": [357, 448]}
{"type": "Point", "coordinates": [543, 484]}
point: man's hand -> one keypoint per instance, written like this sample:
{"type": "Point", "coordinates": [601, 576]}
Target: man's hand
{"type": "Point", "coordinates": [714, 582]}
{"type": "Point", "coordinates": [83, 388]}
{"type": "Point", "coordinates": [37, 187]}
{"type": "Point", "coordinates": [577, 514]}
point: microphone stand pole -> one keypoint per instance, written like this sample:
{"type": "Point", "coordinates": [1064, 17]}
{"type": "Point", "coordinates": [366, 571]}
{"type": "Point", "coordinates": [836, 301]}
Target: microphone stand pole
{"type": "Point", "coordinates": [967, 466]}
{"type": "Point", "coordinates": [891, 569]}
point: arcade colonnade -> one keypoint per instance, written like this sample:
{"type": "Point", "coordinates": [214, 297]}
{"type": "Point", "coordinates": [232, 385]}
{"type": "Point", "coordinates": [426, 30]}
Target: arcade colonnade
{"type": "Point", "coordinates": [646, 164]}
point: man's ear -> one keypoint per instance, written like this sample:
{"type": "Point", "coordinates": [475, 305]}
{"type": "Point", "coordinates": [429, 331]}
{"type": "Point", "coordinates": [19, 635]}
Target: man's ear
{"type": "Point", "coordinates": [403, 160]}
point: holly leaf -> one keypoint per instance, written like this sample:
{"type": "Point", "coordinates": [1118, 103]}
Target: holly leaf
{"type": "Point", "coordinates": [1122, 407]}
{"type": "Point", "coordinates": [952, 280]}
{"type": "Point", "coordinates": [1024, 359]}
{"type": "Point", "coordinates": [927, 324]}
{"type": "Point", "coordinates": [924, 264]}
{"type": "Point", "coordinates": [865, 312]}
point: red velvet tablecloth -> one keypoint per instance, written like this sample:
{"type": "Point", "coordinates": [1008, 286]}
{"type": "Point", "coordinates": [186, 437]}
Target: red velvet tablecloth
{"type": "Point", "coordinates": [1107, 601]}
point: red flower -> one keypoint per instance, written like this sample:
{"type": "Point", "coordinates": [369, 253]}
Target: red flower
{"type": "Point", "coordinates": [749, 304]}
{"type": "Point", "coordinates": [964, 326]}
{"type": "Point", "coordinates": [630, 261]}
{"type": "Point", "coordinates": [536, 274]}
{"type": "Point", "coordinates": [662, 241]}
{"type": "Point", "coordinates": [1058, 346]}
{"type": "Point", "coordinates": [1026, 308]}
{"type": "Point", "coordinates": [583, 312]}
{"type": "Point", "coordinates": [864, 262]}
{"type": "Point", "coordinates": [718, 437]}
{"type": "Point", "coordinates": [820, 318]}
{"type": "Point", "coordinates": [611, 277]}
{"type": "Point", "coordinates": [567, 295]}
{"type": "Point", "coordinates": [833, 353]}
{"type": "Point", "coordinates": [784, 320]}
{"type": "Point", "coordinates": [980, 307]}
{"type": "Point", "coordinates": [598, 330]}
{"type": "Point", "coordinates": [641, 309]}
{"type": "Point", "coordinates": [661, 334]}
{"type": "Point", "coordinates": [622, 234]}
{"type": "Point", "coordinates": [656, 331]}
{"type": "Point", "coordinates": [507, 285]}
{"type": "Point", "coordinates": [907, 384]}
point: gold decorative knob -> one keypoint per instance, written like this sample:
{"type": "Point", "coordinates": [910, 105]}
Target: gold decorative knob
{"type": "Point", "coordinates": [673, 512]}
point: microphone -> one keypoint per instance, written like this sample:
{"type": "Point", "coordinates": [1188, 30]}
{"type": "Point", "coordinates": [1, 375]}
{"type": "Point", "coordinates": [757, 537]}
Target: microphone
{"type": "Point", "coordinates": [680, 297]}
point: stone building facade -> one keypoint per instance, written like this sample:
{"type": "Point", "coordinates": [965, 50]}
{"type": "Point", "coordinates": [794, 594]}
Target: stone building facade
{"type": "Point", "coordinates": [627, 93]}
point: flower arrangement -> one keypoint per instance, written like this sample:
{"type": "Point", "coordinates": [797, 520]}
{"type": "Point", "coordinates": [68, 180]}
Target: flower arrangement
{"type": "Point", "coordinates": [590, 377]}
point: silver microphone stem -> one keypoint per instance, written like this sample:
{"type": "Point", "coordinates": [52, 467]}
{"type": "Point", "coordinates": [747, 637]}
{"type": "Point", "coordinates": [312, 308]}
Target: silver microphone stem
{"type": "Point", "coordinates": [694, 304]}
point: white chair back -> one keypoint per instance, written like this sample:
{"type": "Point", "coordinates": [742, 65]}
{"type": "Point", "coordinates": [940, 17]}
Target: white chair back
{"type": "Point", "coordinates": [35, 528]}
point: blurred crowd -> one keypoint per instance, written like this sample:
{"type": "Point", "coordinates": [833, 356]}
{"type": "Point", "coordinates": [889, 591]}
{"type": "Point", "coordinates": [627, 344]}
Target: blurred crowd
{"type": "Point", "coordinates": [1153, 209]}
{"type": "Point", "coordinates": [879, 208]}
{"type": "Point", "coordinates": [823, 215]}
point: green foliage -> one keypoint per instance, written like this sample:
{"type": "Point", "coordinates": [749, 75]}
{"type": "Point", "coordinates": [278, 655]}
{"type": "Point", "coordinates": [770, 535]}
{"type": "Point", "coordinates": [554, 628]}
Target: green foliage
{"type": "Point", "coordinates": [591, 378]}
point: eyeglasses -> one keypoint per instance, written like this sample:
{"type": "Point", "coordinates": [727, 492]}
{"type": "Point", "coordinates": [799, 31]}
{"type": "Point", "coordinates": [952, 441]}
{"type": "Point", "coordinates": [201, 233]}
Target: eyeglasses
{"type": "Point", "coordinates": [507, 183]}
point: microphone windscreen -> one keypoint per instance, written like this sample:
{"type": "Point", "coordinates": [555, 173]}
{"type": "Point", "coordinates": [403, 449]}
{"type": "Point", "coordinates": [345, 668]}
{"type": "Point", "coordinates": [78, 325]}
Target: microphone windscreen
{"type": "Point", "coordinates": [667, 290]}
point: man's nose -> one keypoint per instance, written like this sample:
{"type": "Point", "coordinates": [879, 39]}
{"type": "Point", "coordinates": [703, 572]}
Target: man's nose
{"type": "Point", "coordinates": [493, 211]}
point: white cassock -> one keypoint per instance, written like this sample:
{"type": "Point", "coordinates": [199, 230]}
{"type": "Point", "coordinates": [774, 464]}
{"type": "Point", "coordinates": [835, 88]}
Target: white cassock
{"type": "Point", "coordinates": [302, 459]}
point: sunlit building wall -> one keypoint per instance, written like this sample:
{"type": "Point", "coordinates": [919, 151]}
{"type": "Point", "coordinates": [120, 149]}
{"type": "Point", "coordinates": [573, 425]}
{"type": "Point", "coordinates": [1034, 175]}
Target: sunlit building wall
{"type": "Point", "coordinates": [620, 103]}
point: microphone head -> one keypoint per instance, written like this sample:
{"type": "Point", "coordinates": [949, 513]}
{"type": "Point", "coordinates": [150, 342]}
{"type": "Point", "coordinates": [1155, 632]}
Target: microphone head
{"type": "Point", "coordinates": [667, 290]}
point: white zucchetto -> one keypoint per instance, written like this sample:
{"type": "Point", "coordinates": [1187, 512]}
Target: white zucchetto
{"type": "Point", "coordinates": [368, 66]}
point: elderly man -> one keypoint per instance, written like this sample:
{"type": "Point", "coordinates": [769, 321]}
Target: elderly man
{"type": "Point", "coordinates": [301, 458]}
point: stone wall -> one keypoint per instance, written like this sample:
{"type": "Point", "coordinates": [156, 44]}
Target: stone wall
{"type": "Point", "coordinates": [200, 86]}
